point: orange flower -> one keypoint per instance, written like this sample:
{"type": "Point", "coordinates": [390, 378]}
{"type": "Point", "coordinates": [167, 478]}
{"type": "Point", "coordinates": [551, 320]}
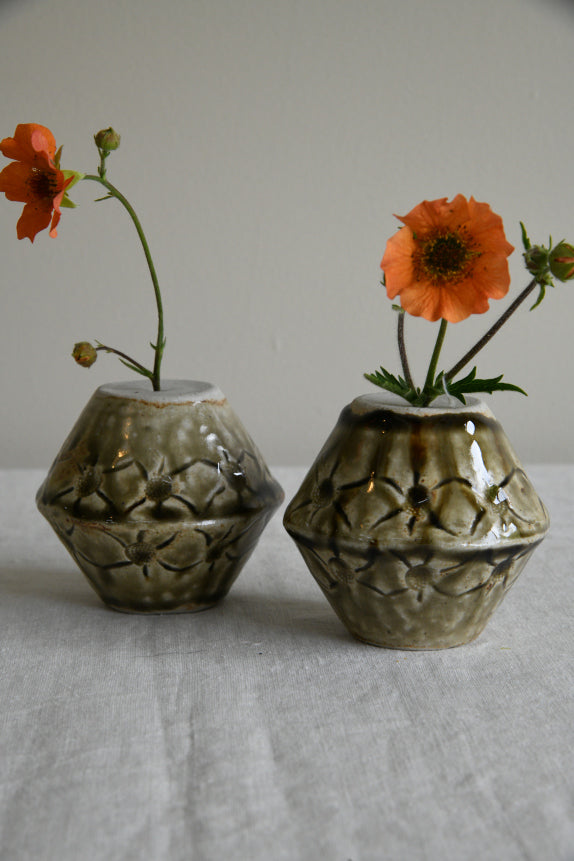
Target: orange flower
{"type": "Point", "coordinates": [448, 260]}
{"type": "Point", "coordinates": [34, 178]}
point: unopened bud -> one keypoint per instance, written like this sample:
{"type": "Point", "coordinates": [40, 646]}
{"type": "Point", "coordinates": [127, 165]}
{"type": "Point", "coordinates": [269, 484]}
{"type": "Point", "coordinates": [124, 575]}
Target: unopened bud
{"type": "Point", "coordinates": [536, 259]}
{"type": "Point", "coordinates": [107, 140]}
{"type": "Point", "coordinates": [84, 354]}
{"type": "Point", "coordinates": [561, 261]}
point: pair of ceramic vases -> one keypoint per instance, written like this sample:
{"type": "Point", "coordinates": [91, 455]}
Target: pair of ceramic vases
{"type": "Point", "coordinates": [414, 522]}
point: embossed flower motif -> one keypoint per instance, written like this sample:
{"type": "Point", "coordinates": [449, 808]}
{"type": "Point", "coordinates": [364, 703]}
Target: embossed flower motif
{"type": "Point", "coordinates": [446, 505]}
{"type": "Point", "coordinates": [329, 494]}
{"type": "Point", "coordinates": [143, 553]}
{"type": "Point", "coordinates": [159, 487]}
{"type": "Point", "coordinates": [85, 484]}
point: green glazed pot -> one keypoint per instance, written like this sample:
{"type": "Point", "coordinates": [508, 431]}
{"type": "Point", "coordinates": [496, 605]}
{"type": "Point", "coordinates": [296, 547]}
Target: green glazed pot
{"type": "Point", "coordinates": [160, 497]}
{"type": "Point", "coordinates": [416, 522]}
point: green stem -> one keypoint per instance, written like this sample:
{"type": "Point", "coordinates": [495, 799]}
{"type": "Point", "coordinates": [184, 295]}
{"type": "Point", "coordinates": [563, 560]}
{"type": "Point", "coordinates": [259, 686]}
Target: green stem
{"type": "Point", "coordinates": [160, 343]}
{"type": "Point", "coordinates": [403, 350]}
{"type": "Point", "coordinates": [491, 332]}
{"type": "Point", "coordinates": [145, 372]}
{"type": "Point", "coordinates": [431, 374]}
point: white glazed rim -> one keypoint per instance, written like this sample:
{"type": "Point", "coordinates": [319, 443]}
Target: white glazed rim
{"type": "Point", "coordinates": [444, 404]}
{"type": "Point", "coordinates": [171, 392]}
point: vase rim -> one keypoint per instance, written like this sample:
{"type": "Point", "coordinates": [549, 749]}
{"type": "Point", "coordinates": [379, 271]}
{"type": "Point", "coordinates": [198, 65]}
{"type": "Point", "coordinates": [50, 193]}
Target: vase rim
{"type": "Point", "coordinates": [171, 392]}
{"type": "Point", "coordinates": [444, 404]}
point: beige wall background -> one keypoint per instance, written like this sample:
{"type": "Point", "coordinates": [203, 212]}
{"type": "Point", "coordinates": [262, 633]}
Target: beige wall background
{"type": "Point", "coordinates": [266, 146]}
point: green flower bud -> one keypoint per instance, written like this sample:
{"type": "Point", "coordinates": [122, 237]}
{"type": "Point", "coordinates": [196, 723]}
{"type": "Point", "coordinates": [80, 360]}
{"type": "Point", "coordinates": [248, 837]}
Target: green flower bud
{"type": "Point", "coordinates": [536, 259]}
{"type": "Point", "coordinates": [561, 261]}
{"type": "Point", "coordinates": [84, 354]}
{"type": "Point", "coordinates": [107, 140]}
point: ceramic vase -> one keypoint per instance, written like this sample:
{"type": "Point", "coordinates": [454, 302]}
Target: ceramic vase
{"type": "Point", "coordinates": [415, 522]}
{"type": "Point", "coordinates": [160, 497]}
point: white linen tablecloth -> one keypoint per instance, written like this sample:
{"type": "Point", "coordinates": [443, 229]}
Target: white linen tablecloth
{"type": "Point", "coordinates": [261, 731]}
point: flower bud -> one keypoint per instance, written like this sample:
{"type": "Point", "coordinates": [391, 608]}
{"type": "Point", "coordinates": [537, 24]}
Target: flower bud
{"type": "Point", "coordinates": [561, 261]}
{"type": "Point", "coordinates": [84, 354]}
{"type": "Point", "coordinates": [107, 140]}
{"type": "Point", "coordinates": [536, 259]}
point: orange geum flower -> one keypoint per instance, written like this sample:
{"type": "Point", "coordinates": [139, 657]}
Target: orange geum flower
{"type": "Point", "coordinates": [34, 178]}
{"type": "Point", "coordinates": [448, 260]}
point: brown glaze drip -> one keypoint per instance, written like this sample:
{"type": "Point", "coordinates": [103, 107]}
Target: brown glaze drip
{"type": "Point", "coordinates": [386, 420]}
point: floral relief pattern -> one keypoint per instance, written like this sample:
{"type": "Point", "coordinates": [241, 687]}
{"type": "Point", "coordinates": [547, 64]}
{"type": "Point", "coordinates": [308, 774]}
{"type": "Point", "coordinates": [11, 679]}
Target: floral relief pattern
{"type": "Point", "coordinates": [159, 520]}
{"type": "Point", "coordinates": [415, 536]}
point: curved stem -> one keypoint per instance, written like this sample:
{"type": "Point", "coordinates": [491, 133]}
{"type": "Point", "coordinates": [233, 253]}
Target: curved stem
{"type": "Point", "coordinates": [431, 374]}
{"type": "Point", "coordinates": [491, 332]}
{"type": "Point", "coordinates": [160, 343]}
{"type": "Point", "coordinates": [137, 366]}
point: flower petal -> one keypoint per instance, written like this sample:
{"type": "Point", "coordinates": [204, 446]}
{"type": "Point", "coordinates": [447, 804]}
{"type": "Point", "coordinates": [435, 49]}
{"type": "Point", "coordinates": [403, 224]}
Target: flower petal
{"type": "Point", "coordinates": [32, 143]}
{"type": "Point", "coordinates": [55, 221]}
{"type": "Point", "coordinates": [14, 181]}
{"type": "Point", "coordinates": [34, 218]}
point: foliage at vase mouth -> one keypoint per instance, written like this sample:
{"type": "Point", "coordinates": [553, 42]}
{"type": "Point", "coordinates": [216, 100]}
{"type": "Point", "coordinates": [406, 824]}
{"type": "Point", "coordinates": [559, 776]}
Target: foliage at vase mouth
{"type": "Point", "coordinates": [34, 177]}
{"type": "Point", "coordinates": [446, 262]}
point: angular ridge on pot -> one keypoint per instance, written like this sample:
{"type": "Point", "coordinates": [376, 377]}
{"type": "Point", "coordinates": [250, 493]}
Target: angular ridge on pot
{"type": "Point", "coordinates": [410, 517]}
{"type": "Point", "coordinates": [160, 497]}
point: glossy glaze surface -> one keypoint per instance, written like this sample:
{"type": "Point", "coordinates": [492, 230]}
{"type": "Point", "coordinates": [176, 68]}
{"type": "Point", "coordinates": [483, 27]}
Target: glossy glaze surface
{"type": "Point", "coordinates": [416, 522]}
{"type": "Point", "coordinates": [160, 497]}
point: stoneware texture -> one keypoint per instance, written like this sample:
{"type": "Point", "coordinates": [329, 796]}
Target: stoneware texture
{"type": "Point", "coordinates": [416, 522]}
{"type": "Point", "coordinates": [160, 497]}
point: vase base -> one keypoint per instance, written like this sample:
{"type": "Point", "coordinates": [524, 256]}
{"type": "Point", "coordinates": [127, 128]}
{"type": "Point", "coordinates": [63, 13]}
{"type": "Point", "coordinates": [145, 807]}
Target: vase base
{"type": "Point", "coordinates": [405, 647]}
{"type": "Point", "coordinates": [187, 608]}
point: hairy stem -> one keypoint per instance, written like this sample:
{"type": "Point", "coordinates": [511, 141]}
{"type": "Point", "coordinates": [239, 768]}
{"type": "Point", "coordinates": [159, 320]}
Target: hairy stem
{"type": "Point", "coordinates": [160, 343]}
{"type": "Point", "coordinates": [491, 332]}
{"type": "Point", "coordinates": [141, 368]}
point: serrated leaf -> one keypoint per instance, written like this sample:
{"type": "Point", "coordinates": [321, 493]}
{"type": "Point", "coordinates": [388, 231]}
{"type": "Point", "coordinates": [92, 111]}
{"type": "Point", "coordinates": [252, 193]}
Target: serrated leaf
{"type": "Point", "coordinates": [471, 384]}
{"type": "Point", "coordinates": [390, 383]}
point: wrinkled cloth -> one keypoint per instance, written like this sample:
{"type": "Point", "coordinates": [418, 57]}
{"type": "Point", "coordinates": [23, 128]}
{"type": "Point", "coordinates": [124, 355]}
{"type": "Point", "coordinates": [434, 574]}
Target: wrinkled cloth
{"type": "Point", "coordinates": [260, 730]}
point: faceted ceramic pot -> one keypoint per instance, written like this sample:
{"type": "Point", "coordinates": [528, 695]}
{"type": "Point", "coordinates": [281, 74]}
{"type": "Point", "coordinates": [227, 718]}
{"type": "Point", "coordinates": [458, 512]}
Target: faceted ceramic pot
{"type": "Point", "coordinates": [416, 522]}
{"type": "Point", "coordinates": [160, 497]}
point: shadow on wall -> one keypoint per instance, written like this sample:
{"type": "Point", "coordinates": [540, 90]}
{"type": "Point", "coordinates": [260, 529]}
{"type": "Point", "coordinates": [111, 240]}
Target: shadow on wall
{"type": "Point", "coordinates": [563, 5]}
{"type": "Point", "coordinates": [10, 7]}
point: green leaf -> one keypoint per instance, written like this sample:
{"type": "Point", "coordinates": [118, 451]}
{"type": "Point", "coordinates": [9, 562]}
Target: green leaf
{"type": "Point", "coordinates": [390, 383]}
{"type": "Point", "coordinates": [541, 295]}
{"type": "Point", "coordinates": [470, 385]}
{"type": "Point", "coordinates": [142, 371]}
{"type": "Point", "coordinates": [525, 240]}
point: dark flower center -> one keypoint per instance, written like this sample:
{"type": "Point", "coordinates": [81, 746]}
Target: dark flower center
{"type": "Point", "coordinates": [159, 488]}
{"type": "Point", "coordinates": [43, 183]}
{"type": "Point", "coordinates": [140, 553]}
{"type": "Point", "coordinates": [445, 257]}
{"type": "Point", "coordinates": [88, 482]}
{"type": "Point", "coordinates": [419, 576]}
{"type": "Point", "coordinates": [418, 495]}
